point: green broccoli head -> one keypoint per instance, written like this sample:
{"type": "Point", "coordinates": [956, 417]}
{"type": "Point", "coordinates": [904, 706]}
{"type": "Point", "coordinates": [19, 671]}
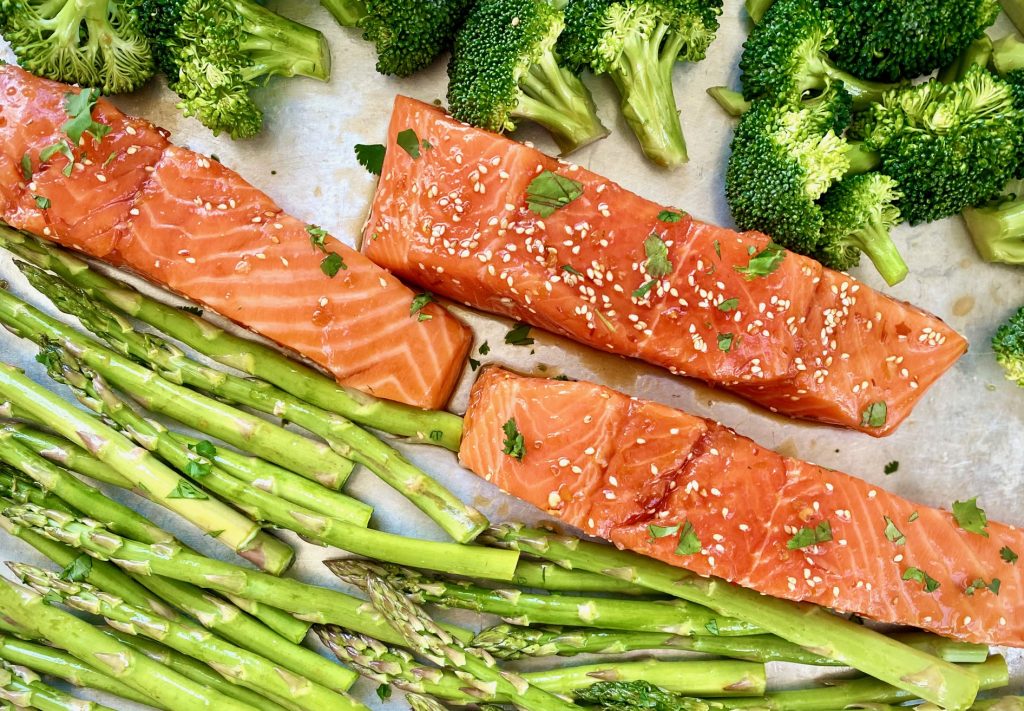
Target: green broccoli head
{"type": "Point", "coordinates": [96, 43]}
{"type": "Point", "coordinates": [408, 34]}
{"type": "Point", "coordinates": [947, 145]}
{"type": "Point", "coordinates": [902, 39]}
{"type": "Point", "coordinates": [215, 51]}
{"type": "Point", "coordinates": [783, 159]}
{"type": "Point", "coordinates": [637, 43]}
{"type": "Point", "coordinates": [858, 213]}
{"type": "Point", "coordinates": [504, 68]}
{"type": "Point", "coordinates": [1008, 345]}
{"type": "Point", "coordinates": [785, 56]}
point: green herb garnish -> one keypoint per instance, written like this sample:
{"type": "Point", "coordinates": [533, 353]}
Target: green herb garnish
{"type": "Point", "coordinates": [1008, 554]}
{"type": "Point", "coordinates": [891, 467]}
{"type": "Point", "coordinates": [79, 108]}
{"type": "Point", "coordinates": [519, 335]}
{"type": "Point", "coordinates": [409, 142]}
{"type": "Point", "coordinates": [332, 264]}
{"type": "Point", "coordinates": [894, 534]}
{"type": "Point", "coordinates": [661, 531]}
{"type": "Point", "coordinates": [763, 263]}
{"type": "Point", "coordinates": [186, 490]}
{"type": "Point", "coordinates": [657, 264]}
{"type": "Point", "coordinates": [571, 270]}
{"type": "Point", "coordinates": [644, 289]}
{"type": "Point", "coordinates": [979, 584]}
{"type": "Point", "coordinates": [874, 415]}
{"type": "Point", "coordinates": [78, 569]}
{"type": "Point", "coordinates": [317, 237]}
{"type": "Point", "coordinates": [970, 517]}
{"type": "Point", "coordinates": [514, 444]}
{"type": "Point", "coordinates": [930, 584]}
{"type": "Point", "coordinates": [725, 341]}
{"type": "Point", "coordinates": [550, 191]}
{"type": "Point", "coordinates": [419, 302]}
{"type": "Point", "coordinates": [811, 535]}
{"type": "Point", "coordinates": [729, 305]}
{"type": "Point", "coordinates": [371, 157]}
{"type": "Point", "coordinates": [43, 203]}
{"type": "Point", "coordinates": [689, 543]}
{"type": "Point", "coordinates": [670, 216]}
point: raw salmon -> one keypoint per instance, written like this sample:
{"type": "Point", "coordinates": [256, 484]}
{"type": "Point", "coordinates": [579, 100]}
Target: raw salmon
{"type": "Point", "coordinates": [615, 466]}
{"type": "Point", "coordinates": [795, 337]}
{"type": "Point", "coordinates": [181, 219]}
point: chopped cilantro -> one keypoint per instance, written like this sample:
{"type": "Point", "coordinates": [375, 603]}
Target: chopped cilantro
{"type": "Point", "coordinates": [332, 263]}
{"type": "Point", "coordinates": [563, 377]}
{"type": "Point", "coordinates": [670, 216]}
{"type": "Point", "coordinates": [42, 202]}
{"type": "Point", "coordinates": [419, 302]}
{"type": "Point", "coordinates": [891, 467]}
{"type": "Point", "coordinates": [436, 435]}
{"type": "Point", "coordinates": [204, 448]}
{"type": "Point", "coordinates": [79, 109]}
{"type": "Point", "coordinates": [514, 444]}
{"type": "Point", "coordinates": [874, 415]}
{"type": "Point", "coordinates": [195, 469]}
{"type": "Point", "coordinates": [980, 584]}
{"type": "Point", "coordinates": [718, 247]}
{"type": "Point", "coordinates": [550, 191]}
{"type": "Point", "coordinates": [371, 157]}
{"type": "Point", "coordinates": [26, 167]}
{"type": "Point", "coordinates": [661, 531]}
{"type": "Point", "coordinates": [712, 627]}
{"type": "Point", "coordinates": [78, 569]}
{"type": "Point", "coordinates": [473, 364]}
{"type": "Point", "coordinates": [644, 289]}
{"type": "Point", "coordinates": [317, 236]}
{"type": "Point", "coordinates": [689, 543]}
{"type": "Point", "coordinates": [1008, 554]}
{"type": "Point", "coordinates": [384, 692]}
{"type": "Point", "coordinates": [409, 142]}
{"type": "Point", "coordinates": [725, 342]}
{"type": "Point", "coordinates": [930, 584]}
{"type": "Point", "coordinates": [571, 270]}
{"type": "Point", "coordinates": [194, 310]}
{"type": "Point", "coordinates": [657, 264]}
{"type": "Point", "coordinates": [519, 335]}
{"type": "Point", "coordinates": [894, 534]}
{"type": "Point", "coordinates": [729, 305]}
{"type": "Point", "coordinates": [811, 535]}
{"type": "Point", "coordinates": [970, 517]}
{"type": "Point", "coordinates": [64, 148]}
{"type": "Point", "coordinates": [187, 490]}
{"type": "Point", "coordinates": [110, 159]}
{"type": "Point", "coordinates": [913, 517]}
{"type": "Point", "coordinates": [427, 145]}
{"type": "Point", "coordinates": [763, 263]}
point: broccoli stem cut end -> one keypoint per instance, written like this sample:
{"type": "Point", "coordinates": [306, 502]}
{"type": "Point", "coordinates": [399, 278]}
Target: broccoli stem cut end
{"type": "Point", "coordinates": [643, 76]}
{"type": "Point", "coordinates": [998, 231]}
{"type": "Point", "coordinates": [730, 100]}
{"type": "Point", "coordinates": [875, 241]}
{"type": "Point", "coordinates": [557, 99]}
{"type": "Point", "coordinates": [348, 13]}
{"type": "Point", "coordinates": [278, 46]}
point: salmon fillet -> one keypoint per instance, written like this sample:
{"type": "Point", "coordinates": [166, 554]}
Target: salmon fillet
{"type": "Point", "coordinates": [800, 339]}
{"type": "Point", "coordinates": [614, 466]}
{"type": "Point", "coordinates": [185, 221]}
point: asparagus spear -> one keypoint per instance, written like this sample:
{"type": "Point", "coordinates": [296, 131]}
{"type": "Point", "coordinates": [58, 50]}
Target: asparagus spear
{"type": "Point", "coordinates": [1005, 703]}
{"type": "Point", "coordinates": [808, 626]}
{"type": "Point", "coordinates": [193, 669]}
{"type": "Point", "coordinates": [460, 521]}
{"type": "Point", "coordinates": [145, 471]}
{"type": "Point", "coordinates": [719, 678]}
{"type": "Point", "coordinates": [310, 602]}
{"type": "Point", "coordinates": [92, 390]}
{"type": "Point", "coordinates": [247, 669]}
{"type": "Point", "coordinates": [23, 688]}
{"type": "Point", "coordinates": [16, 489]}
{"type": "Point", "coordinates": [675, 617]}
{"type": "Point", "coordinates": [429, 427]}
{"type": "Point", "coordinates": [991, 674]}
{"type": "Point", "coordinates": [67, 454]}
{"type": "Point", "coordinates": [544, 575]}
{"type": "Point", "coordinates": [168, 689]}
{"type": "Point", "coordinates": [301, 455]}
{"type": "Point", "coordinates": [629, 695]}
{"type": "Point", "coordinates": [57, 663]}
{"type": "Point", "coordinates": [512, 642]}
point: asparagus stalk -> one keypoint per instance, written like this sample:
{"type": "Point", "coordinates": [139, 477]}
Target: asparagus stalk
{"type": "Point", "coordinates": [991, 674]}
{"type": "Point", "coordinates": [67, 454]}
{"type": "Point", "coordinates": [675, 617]}
{"type": "Point", "coordinates": [247, 669]}
{"type": "Point", "coordinates": [57, 663]}
{"type": "Point", "coordinates": [428, 427]}
{"type": "Point", "coordinates": [544, 575]}
{"type": "Point", "coordinates": [193, 669]}
{"type": "Point", "coordinates": [512, 642]}
{"type": "Point", "coordinates": [808, 626]}
{"type": "Point", "coordinates": [418, 702]}
{"type": "Point", "coordinates": [168, 689]}
{"type": "Point", "coordinates": [718, 678]}
{"type": "Point", "coordinates": [145, 471]}
{"type": "Point", "coordinates": [427, 638]}
{"type": "Point", "coordinates": [309, 602]}
{"type": "Point", "coordinates": [314, 460]}
{"type": "Point", "coordinates": [623, 695]}
{"type": "Point", "coordinates": [23, 688]}
{"type": "Point", "coordinates": [460, 521]}
{"type": "Point", "coordinates": [15, 489]}
{"type": "Point", "coordinates": [1004, 703]}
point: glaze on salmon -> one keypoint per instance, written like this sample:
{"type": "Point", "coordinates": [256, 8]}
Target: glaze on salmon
{"type": "Point", "coordinates": [181, 219]}
{"type": "Point", "coordinates": [615, 466]}
{"type": "Point", "coordinates": [798, 338]}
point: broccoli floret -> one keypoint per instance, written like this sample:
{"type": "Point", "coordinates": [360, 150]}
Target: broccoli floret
{"type": "Point", "coordinates": [947, 145]}
{"type": "Point", "coordinates": [1008, 345]}
{"type": "Point", "coordinates": [638, 43]}
{"type": "Point", "coordinates": [408, 34]}
{"type": "Point", "coordinates": [902, 39]}
{"type": "Point", "coordinates": [215, 51]}
{"type": "Point", "coordinates": [785, 56]}
{"type": "Point", "coordinates": [95, 43]}
{"type": "Point", "coordinates": [783, 159]}
{"type": "Point", "coordinates": [504, 68]}
{"type": "Point", "coordinates": [858, 212]}
{"type": "Point", "coordinates": [997, 227]}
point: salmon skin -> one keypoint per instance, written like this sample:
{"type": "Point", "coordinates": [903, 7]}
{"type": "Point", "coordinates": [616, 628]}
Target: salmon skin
{"type": "Point", "coordinates": [182, 219]}
{"type": "Point", "coordinates": [725, 307]}
{"type": "Point", "coordinates": [694, 494]}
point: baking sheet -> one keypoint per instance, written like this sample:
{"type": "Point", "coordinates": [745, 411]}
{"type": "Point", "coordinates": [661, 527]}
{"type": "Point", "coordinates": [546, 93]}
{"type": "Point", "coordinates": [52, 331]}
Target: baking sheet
{"type": "Point", "coordinates": [966, 438]}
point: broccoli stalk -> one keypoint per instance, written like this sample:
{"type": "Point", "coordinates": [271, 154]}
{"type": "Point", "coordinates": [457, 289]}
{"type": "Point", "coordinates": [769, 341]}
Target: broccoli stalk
{"type": "Point", "coordinates": [638, 43]}
{"type": "Point", "coordinates": [1014, 9]}
{"type": "Point", "coordinates": [408, 34]}
{"type": "Point", "coordinates": [1008, 345]}
{"type": "Point", "coordinates": [785, 57]}
{"type": "Point", "coordinates": [858, 213]}
{"type": "Point", "coordinates": [95, 43]}
{"type": "Point", "coordinates": [504, 68]}
{"type": "Point", "coordinates": [756, 9]}
{"type": "Point", "coordinates": [977, 53]}
{"type": "Point", "coordinates": [998, 229]}
{"type": "Point", "coordinates": [215, 51]}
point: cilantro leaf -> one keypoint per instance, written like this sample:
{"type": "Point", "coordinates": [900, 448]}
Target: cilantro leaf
{"type": "Point", "coordinates": [317, 236]}
{"type": "Point", "coordinates": [913, 517]}
{"type": "Point", "coordinates": [419, 302]}
{"type": "Point", "coordinates": [657, 264]}
{"type": "Point", "coordinates": [894, 534]}
{"type": "Point", "coordinates": [194, 310]}
{"type": "Point", "coordinates": [43, 203]}
{"type": "Point", "coordinates": [519, 335]}
{"type": "Point", "coordinates": [970, 517]}
{"type": "Point", "coordinates": [689, 543]}
{"type": "Point", "coordinates": [763, 263]}
{"type": "Point", "coordinates": [384, 692]}
{"type": "Point", "coordinates": [712, 627]}
{"type": "Point", "coordinates": [473, 364]}
{"type": "Point", "coordinates": [514, 444]}
{"type": "Point", "coordinates": [891, 467]}
{"type": "Point", "coordinates": [661, 531]}
{"type": "Point", "coordinates": [1008, 554]}
{"type": "Point", "coordinates": [811, 535]}
{"type": "Point", "coordinates": [195, 469]}
{"type": "Point", "coordinates": [729, 305]}
{"type": "Point", "coordinates": [670, 216]}
{"type": "Point", "coordinates": [332, 263]}
{"type": "Point", "coordinates": [874, 415]}
{"type": "Point", "coordinates": [204, 448]}
{"type": "Point", "coordinates": [484, 348]}
{"type": "Point", "coordinates": [930, 584]}
{"type": "Point", "coordinates": [409, 142]}
{"type": "Point", "coordinates": [725, 342]}
{"type": "Point", "coordinates": [980, 584]}
{"type": "Point", "coordinates": [550, 191]}
{"type": "Point", "coordinates": [571, 270]}
{"type": "Point", "coordinates": [78, 569]}
{"type": "Point", "coordinates": [26, 167]}
{"type": "Point", "coordinates": [79, 108]}
{"type": "Point", "coordinates": [718, 247]}
{"type": "Point", "coordinates": [371, 157]}
{"type": "Point", "coordinates": [186, 490]}
{"type": "Point", "coordinates": [644, 289]}
{"type": "Point", "coordinates": [64, 148]}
